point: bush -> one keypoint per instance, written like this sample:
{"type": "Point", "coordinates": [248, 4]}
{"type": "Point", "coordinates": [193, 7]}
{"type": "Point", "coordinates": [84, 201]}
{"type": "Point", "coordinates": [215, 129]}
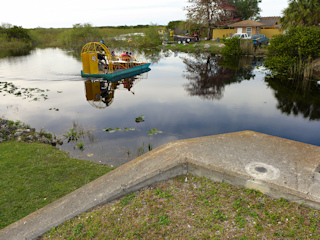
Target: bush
{"type": "Point", "coordinates": [298, 47]}
{"type": "Point", "coordinates": [232, 46]}
{"type": "Point", "coordinates": [151, 37]}
{"type": "Point", "coordinates": [13, 37]}
{"type": "Point", "coordinates": [237, 46]}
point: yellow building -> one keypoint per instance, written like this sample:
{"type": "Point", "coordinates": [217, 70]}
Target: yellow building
{"type": "Point", "coordinates": [247, 26]}
{"type": "Point", "coordinates": [268, 26]}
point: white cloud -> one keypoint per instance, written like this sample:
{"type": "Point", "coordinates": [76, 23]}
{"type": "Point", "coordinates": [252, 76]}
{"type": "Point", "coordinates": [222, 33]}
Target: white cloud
{"type": "Point", "coordinates": [35, 13]}
{"type": "Point", "coordinates": [272, 7]}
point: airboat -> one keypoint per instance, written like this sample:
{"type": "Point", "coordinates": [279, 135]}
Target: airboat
{"type": "Point", "coordinates": [98, 62]}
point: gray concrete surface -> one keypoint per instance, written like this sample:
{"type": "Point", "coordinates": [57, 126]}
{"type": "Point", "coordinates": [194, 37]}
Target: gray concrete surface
{"type": "Point", "coordinates": [275, 166]}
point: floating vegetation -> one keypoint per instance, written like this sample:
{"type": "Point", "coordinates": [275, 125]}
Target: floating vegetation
{"type": "Point", "coordinates": [141, 149]}
{"type": "Point", "coordinates": [112, 130]}
{"type": "Point", "coordinates": [154, 131]}
{"type": "Point", "coordinates": [139, 119]}
{"type": "Point", "coordinates": [34, 93]}
{"type": "Point", "coordinates": [80, 146]}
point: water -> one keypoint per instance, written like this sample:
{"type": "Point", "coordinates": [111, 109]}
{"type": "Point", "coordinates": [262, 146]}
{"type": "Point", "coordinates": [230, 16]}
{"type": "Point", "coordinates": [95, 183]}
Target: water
{"type": "Point", "coordinates": [183, 95]}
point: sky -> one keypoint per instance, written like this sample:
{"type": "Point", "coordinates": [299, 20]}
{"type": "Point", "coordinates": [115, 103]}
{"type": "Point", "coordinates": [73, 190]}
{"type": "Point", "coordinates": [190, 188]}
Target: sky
{"type": "Point", "coordinates": [66, 13]}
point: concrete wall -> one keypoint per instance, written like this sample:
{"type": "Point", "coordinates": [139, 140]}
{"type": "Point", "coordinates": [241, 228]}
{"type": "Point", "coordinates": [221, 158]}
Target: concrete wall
{"type": "Point", "coordinates": [221, 33]}
{"type": "Point", "coordinates": [271, 32]}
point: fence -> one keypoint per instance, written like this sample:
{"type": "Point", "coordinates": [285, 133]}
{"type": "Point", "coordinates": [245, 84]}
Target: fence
{"type": "Point", "coordinates": [222, 33]}
{"type": "Point", "coordinates": [271, 32]}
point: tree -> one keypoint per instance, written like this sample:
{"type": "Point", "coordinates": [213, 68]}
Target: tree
{"type": "Point", "coordinates": [301, 13]}
{"type": "Point", "coordinates": [210, 12]}
{"type": "Point", "coordinates": [15, 33]}
{"type": "Point", "coordinates": [177, 26]}
{"type": "Point", "coordinates": [246, 9]}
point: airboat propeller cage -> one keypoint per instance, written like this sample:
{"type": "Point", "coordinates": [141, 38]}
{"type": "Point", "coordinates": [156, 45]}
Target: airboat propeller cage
{"type": "Point", "coordinates": [90, 60]}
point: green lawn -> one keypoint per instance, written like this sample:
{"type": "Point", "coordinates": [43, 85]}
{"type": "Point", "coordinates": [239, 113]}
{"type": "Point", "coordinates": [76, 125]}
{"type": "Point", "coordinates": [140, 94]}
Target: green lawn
{"type": "Point", "coordinates": [34, 175]}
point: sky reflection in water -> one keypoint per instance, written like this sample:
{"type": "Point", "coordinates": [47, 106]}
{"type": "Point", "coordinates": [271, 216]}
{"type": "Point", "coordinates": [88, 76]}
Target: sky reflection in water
{"type": "Point", "coordinates": [183, 95]}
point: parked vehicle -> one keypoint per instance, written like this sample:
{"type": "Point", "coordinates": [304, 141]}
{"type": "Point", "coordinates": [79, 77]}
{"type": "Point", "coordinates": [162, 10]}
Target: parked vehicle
{"type": "Point", "coordinates": [241, 35]}
{"type": "Point", "coordinates": [259, 39]}
{"type": "Point", "coordinates": [185, 39]}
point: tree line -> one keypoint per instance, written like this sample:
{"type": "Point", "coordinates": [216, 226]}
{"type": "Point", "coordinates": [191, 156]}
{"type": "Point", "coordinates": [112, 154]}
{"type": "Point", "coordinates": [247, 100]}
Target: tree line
{"type": "Point", "coordinates": [10, 32]}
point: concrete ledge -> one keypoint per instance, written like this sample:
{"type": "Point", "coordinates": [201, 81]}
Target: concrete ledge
{"type": "Point", "coordinates": [275, 166]}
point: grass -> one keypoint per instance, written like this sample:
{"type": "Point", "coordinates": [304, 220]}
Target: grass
{"type": "Point", "coordinates": [34, 175]}
{"type": "Point", "coordinates": [189, 207]}
{"type": "Point", "coordinates": [215, 47]}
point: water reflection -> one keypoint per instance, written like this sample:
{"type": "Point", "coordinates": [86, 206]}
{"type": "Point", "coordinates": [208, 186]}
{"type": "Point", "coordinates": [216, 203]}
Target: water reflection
{"type": "Point", "coordinates": [100, 93]}
{"type": "Point", "coordinates": [248, 101]}
{"type": "Point", "coordinates": [296, 99]}
{"type": "Point", "coordinates": [14, 52]}
{"type": "Point", "coordinates": [208, 74]}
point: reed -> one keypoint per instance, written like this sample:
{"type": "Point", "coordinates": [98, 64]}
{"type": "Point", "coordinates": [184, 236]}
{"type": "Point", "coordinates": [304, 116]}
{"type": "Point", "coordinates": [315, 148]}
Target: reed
{"type": "Point", "coordinates": [44, 37]}
{"type": "Point", "coordinates": [247, 47]}
{"type": "Point", "coordinates": [302, 71]}
{"type": "Point", "coordinates": [14, 44]}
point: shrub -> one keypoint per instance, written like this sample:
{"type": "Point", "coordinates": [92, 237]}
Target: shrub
{"type": "Point", "coordinates": [232, 46]}
{"type": "Point", "coordinates": [14, 37]}
{"type": "Point", "coordinates": [150, 38]}
{"type": "Point", "coordinates": [295, 49]}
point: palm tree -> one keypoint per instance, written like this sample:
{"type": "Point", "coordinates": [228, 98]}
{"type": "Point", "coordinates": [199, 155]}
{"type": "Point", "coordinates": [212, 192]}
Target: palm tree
{"type": "Point", "coordinates": [301, 13]}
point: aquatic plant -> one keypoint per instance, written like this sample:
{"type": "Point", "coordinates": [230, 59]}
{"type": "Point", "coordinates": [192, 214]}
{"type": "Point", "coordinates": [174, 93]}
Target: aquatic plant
{"type": "Point", "coordinates": [154, 131]}
{"type": "Point", "coordinates": [140, 150]}
{"type": "Point", "coordinates": [112, 130]}
{"type": "Point", "coordinates": [139, 119]}
{"type": "Point", "coordinates": [34, 93]}
{"type": "Point", "coordinates": [72, 135]}
{"type": "Point", "coordinates": [80, 146]}
{"type": "Point", "coordinates": [78, 132]}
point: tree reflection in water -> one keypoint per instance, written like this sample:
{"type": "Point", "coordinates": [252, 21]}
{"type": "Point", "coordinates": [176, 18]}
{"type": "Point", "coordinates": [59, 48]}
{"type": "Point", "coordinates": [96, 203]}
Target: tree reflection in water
{"type": "Point", "coordinates": [14, 52]}
{"type": "Point", "coordinates": [208, 74]}
{"type": "Point", "coordinates": [295, 98]}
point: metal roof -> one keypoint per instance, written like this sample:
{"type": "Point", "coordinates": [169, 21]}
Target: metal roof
{"type": "Point", "coordinates": [269, 21]}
